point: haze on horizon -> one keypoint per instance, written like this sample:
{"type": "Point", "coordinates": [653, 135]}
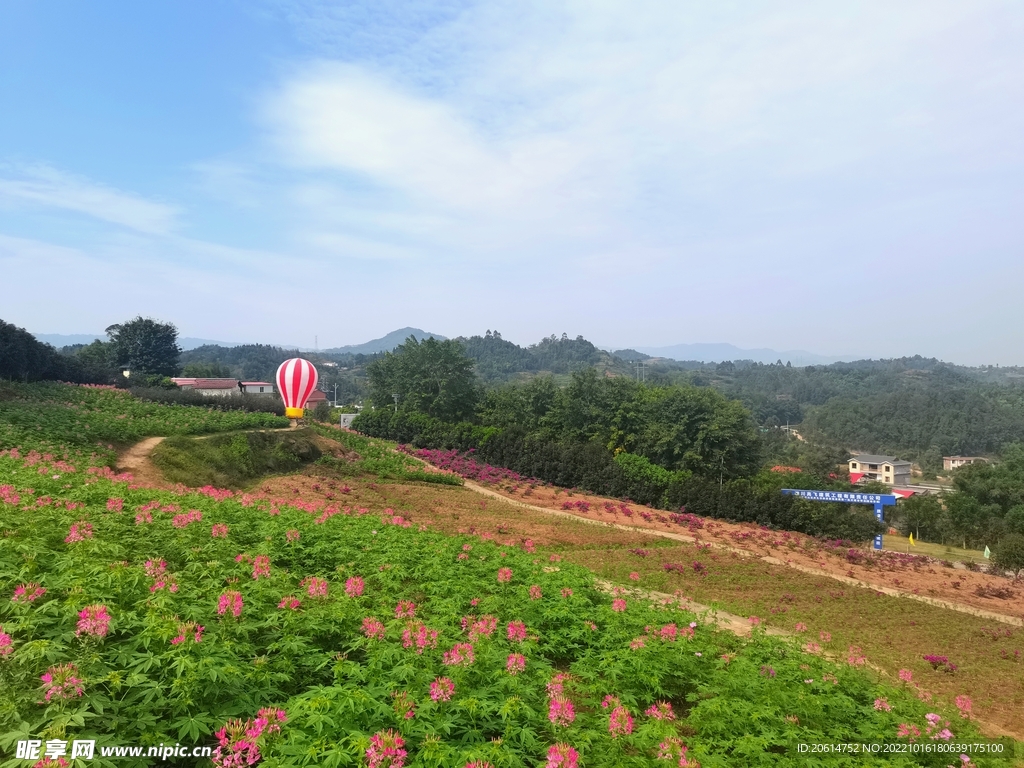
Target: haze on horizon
{"type": "Point", "coordinates": [839, 178]}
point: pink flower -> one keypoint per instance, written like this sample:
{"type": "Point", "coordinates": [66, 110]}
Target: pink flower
{"type": "Point", "coordinates": [354, 586]}
{"type": "Point", "coordinates": [482, 627]}
{"type": "Point", "coordinates": [812, 647]}
{"type": "Point", "coordinates": [855, 656]}
{"type": "Point", "coordinates": [260, 567]}
{"type": "Point", "coordinates": [188, 629]}
{"type": "Point", "coordinates": [290, 603]}
{"type": "Point", "coordinates": [562, 756]}
{"type": "Point", "coordinates": [27, 593]}
{"type": "Point", "coordinates": [238, 745]}
{"type": "Point", "coordinates": [908, 730]}
{"type": "Point", "coordinates": [634, 576]}
{"type": "Point", "coordinates": [755, 621]}
{"type": "Point", "coordinates": [661, 710]}
{"type": "Point", "coordinates": [373, 629]}
{"type": "Point", "coordinates": [182, 520]}
{"type": "Point", "coordinates": [516, 631]}
{"type": "Point", "coordinates": [557, 685]}
{"type": "Point", "coordinates": [461, 655]}
{"type": "Point", "coordinates": [144, 517]}
{"type": "Point", "coordinates": [620, 722]}
{"type": "Point", "coordinates": [825, 637]}
{"type": "Point", "coordinates": [115, 505]}
{"type": "Point", "coordinates": [637, 643]}
{"type": "Point", "coordinates": [418, 634]}
{"type": "Point", "coordinates": [442, 689]}
{"type": "Point", "coordinates": [535, 593]}
{"type": "Point", "coordinates": [504, 575]}
{"type": "Point", "coordinates": [406, 609]}
{"type": "Point", "coordinates": [618, 605]}
{"type": "Point", "coordinates": [219, 531]}
{"type": "Point", "coordinates": [315, 586]}
{"type": "Point", "coordinates": [566, 592]}
{"type": "Point", "coordinates": [79, 531]}
{"type": "Point", "coordinates": [385, 750]}
{"type": "Point", "coordinates": [882, 705]}
{"type": "Point", "coordinates": [516, 663]}
{"type": "Point", "coordinates": [906, 675]}
{"type": "Point", "coordinates": [230, 601]}
{"type": "Point", "coordinates": [561, 711]}
{"type": "Point", "coordinates": [292, 534]}
{"type": "Point", "coordinates": [800, 627]}
{"type": "Point", "coordinates": [61, 682]}
{"type": "Point", "coordinates": [963, 703]}
{"type": "Point", "coordinates": [93, 621]}
{"type": "Point", "coordinates": [7, 644]}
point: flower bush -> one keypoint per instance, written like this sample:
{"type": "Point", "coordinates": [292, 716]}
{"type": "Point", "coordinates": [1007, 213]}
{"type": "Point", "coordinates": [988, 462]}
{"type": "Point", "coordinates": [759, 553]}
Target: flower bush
{"type": "Point", "coordinates": [141, 634]}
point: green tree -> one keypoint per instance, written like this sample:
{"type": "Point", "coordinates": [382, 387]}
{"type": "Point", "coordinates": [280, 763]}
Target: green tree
{"type": "Point", "coordinates": [146, 346]}
{"type": "Point", "coordinates": [1009, 553]}
{"type": "Point", "coordinates": [430, 376]}
{"type": "Point", "coordinates": [206, 371]}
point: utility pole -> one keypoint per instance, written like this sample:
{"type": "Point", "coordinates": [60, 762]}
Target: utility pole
{"type": "Point", "coordinates": [641, 370]}
{"type": "Point", "coordinates": [335, 394]}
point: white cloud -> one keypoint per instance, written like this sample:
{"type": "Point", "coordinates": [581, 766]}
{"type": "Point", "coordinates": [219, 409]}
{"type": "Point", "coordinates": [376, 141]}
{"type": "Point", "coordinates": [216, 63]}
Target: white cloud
{"type": "Point", "coordinates": [43, 186]}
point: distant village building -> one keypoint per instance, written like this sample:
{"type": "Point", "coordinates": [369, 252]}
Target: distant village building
{"type": "Point", "coordinates": [952, 462]}
{"type": "Point", "coordinates": [315, 399]}
{"type": "Point", "coordinates": [256, 387]}
{"type": "Point", "coordinates": [217, 387]}
{"type": "Point", "coordinates": [346, 419]}
{"type": "Point", "coordinates": [883, 469]}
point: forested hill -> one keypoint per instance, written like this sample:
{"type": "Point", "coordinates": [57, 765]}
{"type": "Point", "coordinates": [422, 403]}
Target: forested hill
{"type": "Point", "coordinates": [917, 408]}
{"type": "Point", "coordinates": [497, 360]}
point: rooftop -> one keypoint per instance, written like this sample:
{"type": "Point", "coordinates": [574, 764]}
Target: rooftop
{"type": "Point", "coordinates": [870, 458]}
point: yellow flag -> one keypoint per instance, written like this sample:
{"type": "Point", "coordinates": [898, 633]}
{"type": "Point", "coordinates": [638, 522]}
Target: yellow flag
{"type": "Point", "coordinates": [912, 541]}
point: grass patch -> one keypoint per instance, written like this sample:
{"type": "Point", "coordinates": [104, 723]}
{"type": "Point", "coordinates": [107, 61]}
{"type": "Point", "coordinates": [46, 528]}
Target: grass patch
{"type": "Point", "coordinates": [379, 458]}
{"type": "Point", "coordinates": [235, 460]}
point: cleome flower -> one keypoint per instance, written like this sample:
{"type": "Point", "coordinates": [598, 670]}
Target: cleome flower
{"type": "Point", "coordinates": [516, 663]}
{"type": "Point", "coordinates": [442, 689]}
{"type": "Point", "coordinates": [385, 750]}
{"type": "Point", "coordinates": [61, 682]}
{"type": "Point", "coordinates": [28, 593]}
{"type": "Point", "coordinates": [461, 655]}
{"type": "Point", "coordinates": [93, 621]}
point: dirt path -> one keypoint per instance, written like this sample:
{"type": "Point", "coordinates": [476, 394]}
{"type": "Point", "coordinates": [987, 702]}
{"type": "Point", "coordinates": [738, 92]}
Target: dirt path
{"type": "Point", "coordinates": [892, 591]}
{"type": "Point", "coordinates": [136, 461]}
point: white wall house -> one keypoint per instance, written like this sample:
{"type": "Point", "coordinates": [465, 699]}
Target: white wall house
{"type": "Point", "coordinates": [256, 387]}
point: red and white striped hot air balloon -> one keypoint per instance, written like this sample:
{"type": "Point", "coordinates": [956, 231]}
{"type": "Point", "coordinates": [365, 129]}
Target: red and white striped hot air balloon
{"type": "Point", "coordinates": [296, 380]}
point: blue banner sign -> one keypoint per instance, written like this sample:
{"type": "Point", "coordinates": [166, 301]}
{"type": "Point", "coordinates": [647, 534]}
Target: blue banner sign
{"type": "Point", "coordinates": [878, 500]}
{"type": "Point", "coordinates": [843, 497]}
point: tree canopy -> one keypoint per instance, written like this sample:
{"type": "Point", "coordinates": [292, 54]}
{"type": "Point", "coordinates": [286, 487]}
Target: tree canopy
{"type": "Point", "coordinates": [430, 376]}
{"type": "Point", "coordinates": [146, 346]}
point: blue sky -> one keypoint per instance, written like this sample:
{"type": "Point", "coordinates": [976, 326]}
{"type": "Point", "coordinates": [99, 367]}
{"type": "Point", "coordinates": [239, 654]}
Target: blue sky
{"type": "Point", "coordinates": [844, 178]}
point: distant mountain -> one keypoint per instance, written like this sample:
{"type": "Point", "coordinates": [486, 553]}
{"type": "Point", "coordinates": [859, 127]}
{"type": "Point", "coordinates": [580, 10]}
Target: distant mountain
{"type": "Point", "coordinates": [717, 353]}
{"type": "Point", "coordinates": [67, 339]}
{"type": "Point", "coordinates": [385, 343]}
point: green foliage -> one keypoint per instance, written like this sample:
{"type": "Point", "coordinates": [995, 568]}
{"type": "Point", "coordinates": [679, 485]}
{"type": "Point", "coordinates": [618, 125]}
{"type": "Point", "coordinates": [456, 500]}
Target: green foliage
{"type": "Point", "coordinates": [206, 370]}
{"type": "Point", "coordinates": [432, 377]}
{"type": "Point", "coordinates": [1009, 553]}
{"type": "Point", "coordinates": [234, 460]}
{"type": "Point", "coordinates": [23, 358]}
{"type": "Point", "coordinates": [234, 401]}
{"type": "Point", "coordinates": [376, 457]}
{"type": "Point", "coordinates": [145, 346]}
{"type": "Point", "coordinates": [735, 702]}
{"type": "Point", "coordinates": [63, 418]}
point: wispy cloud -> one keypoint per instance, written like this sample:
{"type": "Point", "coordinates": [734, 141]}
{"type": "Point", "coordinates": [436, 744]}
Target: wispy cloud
{"type": "Point", "coordinates": [43, 186]}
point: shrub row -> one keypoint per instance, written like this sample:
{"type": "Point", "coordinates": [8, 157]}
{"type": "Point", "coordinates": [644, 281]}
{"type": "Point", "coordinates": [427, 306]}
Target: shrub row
{"type": "Point", "coordinates": [591, 467]}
